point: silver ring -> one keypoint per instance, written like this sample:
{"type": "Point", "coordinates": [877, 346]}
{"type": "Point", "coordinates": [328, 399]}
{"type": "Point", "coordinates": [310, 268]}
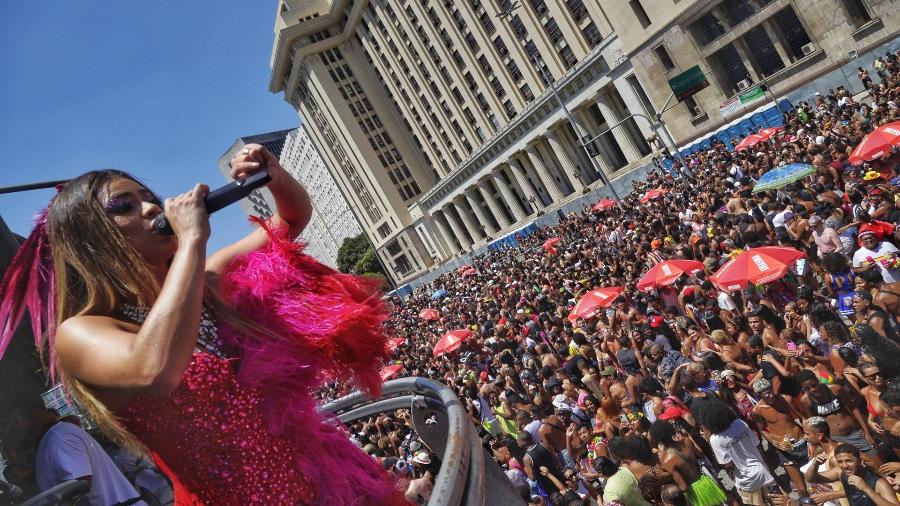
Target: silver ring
{"type": "Point", "coordinates": [245, 151]}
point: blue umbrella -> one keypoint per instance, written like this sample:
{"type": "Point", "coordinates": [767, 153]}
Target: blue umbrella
{"type": "Point", "coordinates": [783, 176]}
{"type": "Point", "coordinates": [438, 294]}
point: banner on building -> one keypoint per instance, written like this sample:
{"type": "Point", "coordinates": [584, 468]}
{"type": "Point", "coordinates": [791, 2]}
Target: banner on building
{"type": "Point", "coordinates": [731, 106]}
{"type": "Point", "coordinates": [751, 95]}
{"type": "Point", "coordinates": [741, 100]}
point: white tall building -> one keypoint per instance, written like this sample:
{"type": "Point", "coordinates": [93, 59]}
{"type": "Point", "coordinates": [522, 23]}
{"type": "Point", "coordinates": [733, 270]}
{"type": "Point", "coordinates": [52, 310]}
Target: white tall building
{"type": "Point", "coordinates": [332, 220]}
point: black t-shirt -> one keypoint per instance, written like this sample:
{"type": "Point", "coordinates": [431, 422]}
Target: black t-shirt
{"type": "Point", "coordinates": [572, 366]}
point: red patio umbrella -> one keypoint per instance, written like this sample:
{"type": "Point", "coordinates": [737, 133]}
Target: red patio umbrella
{"type": "Point", "coordinates": [429, 314]}
{"type": "Point", "coordinates": [756, 266]}
{"type": "Point", "coordinates": [604, 205]}
{"type": "Point", "coordinates": [451, 341]}
{"type": "Point", "coordinates": [749, 141]}
{"type": "Point", "coordinates": [395, 342]}
{"type": "Point", "coordinates": [652, 194]}
{"type": "Point", "coordinates": [877, 143]}
{"type": "Point", "coordinates": [550, 243]}
{"type": "Point", "coordinates": [390, 371]}
{"type": "Point", "coordinates": [768, 133]}
{"type": "Point", "coordinates": [666, 272]}
{"type": "Point", "coordinates": [599, 297]}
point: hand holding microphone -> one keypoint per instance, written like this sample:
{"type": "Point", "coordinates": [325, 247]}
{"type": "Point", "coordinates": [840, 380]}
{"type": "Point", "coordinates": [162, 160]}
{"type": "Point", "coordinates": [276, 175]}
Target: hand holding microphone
{"type": "Point", "coordinates": [212, 201]}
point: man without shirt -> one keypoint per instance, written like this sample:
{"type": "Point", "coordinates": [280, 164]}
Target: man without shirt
{"type": "Point", "coordinates": [776, 417]}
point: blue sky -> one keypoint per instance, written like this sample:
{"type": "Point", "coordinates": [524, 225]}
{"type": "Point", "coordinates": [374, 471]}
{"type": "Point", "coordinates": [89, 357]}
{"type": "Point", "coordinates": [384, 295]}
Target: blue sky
{"type": "Point", "coordinates": [160, 89]}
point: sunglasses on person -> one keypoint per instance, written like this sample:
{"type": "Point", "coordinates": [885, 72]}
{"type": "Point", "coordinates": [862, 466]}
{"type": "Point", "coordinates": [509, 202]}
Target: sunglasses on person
{"type": "Point", "coordinates": [872, 376]}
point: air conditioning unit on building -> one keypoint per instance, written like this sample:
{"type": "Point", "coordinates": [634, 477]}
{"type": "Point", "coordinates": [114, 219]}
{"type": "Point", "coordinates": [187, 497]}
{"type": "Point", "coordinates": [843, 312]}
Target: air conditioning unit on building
{"type": "Point", "coordinates": [743, 84]}
{"type": "Point", "coordinates": [808, 48]}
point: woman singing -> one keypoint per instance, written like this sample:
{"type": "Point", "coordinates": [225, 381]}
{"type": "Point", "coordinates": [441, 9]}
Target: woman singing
{"type": "Point", "coordinates": [206, 363]}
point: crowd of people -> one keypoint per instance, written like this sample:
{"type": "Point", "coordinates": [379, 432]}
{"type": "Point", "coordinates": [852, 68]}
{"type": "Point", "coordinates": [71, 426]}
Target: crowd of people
{"type": "Point", "coordinates": [778, 393]}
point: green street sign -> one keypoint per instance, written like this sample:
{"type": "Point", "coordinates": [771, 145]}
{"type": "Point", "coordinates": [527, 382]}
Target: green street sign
{"type": "Point", "coordinates": [688, 82]}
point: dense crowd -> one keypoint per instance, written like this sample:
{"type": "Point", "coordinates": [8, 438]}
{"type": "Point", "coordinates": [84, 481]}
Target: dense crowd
{"type": "Point", "coordinates": [687, 394]}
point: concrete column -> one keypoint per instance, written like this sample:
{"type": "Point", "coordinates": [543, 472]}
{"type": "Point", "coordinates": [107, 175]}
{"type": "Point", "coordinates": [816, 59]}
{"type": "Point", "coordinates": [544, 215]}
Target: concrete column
{"type": "Point", "coordinates": [511, 201]}
{"type": "Point", "coordinates": [543, 173]}
{"type": "Point", "coordinates": [447, 237]}
{"type": "Point", "coordinates": [749, 63]}
{"type": "Point", "coordinates": [634, 105]}
{"type": "Point", "coordinates": [605, 157]}
{"type": "Point", "coordinates": [555, 169]}
{"type": "Point", "coordinates": [774, 34]}
{"type": "Point", "coordinates": [461, 236]}
{"type": "Point", "coordinates": [479, 213]}
{"type": "Point", "coordinates": [579, 154]}
{"type": "Point", "coordinates": [492, 203]}
{"type": "Point", "coordinates": [475, 229]}
{"type": "Point", "coordinates": [530, 195]}
{"type": "Point", "coordinates": [625, 142]}
{"type": "Point", "coordinates": [565, 161]}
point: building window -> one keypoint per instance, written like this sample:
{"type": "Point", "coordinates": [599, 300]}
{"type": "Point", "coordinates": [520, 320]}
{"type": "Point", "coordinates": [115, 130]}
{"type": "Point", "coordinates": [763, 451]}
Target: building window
{"type": "Point", "coordinates": [737, 10]}
{"type": "Point", "coordinates": [733, 67]}
{"type": "Point", "coordinates": [706, 29]}
{"type": "Point", "coordinates": [592, 34]}
{"type": "Point", "coordinates": [857, 12]}
{"type": "Point", "coordinates": [501, 47]}
{"type": "Point", "coordinates": [664, 57]}
{"type": "Point", "coordinates": [794, 33]}
{"type": "Point", "coordinates": [576, 7]}
{"type": "Point", "coordinates": [568, 57]}
{"type": "Point", "coordinates": [471, 42]}
{"type": "Point", "coordinates": [457, 95]}
{"type": "Point", "coordinates": [764, 52]}
{"type": "Point", "coordinates": [457, 59]}
{"type": "Point", "coordinates": [640, 13]}
{"type": "Point", "coordinates": [518, 27]}
{"type": "Point", "coordinates": [553, 31]}
{"type": "Point", "coordinates": [510, 109]}
{"type": "Point", "coordinates": [498, 88]}
{"type": "Point", "coordinates": [486, 23]}
{"type": "Point", "coordinates": [514, 71]}
{"type": "Point", "coordinates": [540, 8]}
{"type": "Point", "coordinates": [526, 92]}
{"type": "Point", "coordinates": [694, 109]}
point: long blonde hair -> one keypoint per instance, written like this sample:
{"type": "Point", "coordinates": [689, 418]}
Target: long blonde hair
{"type": "Point", "coordinates": [97, 270]}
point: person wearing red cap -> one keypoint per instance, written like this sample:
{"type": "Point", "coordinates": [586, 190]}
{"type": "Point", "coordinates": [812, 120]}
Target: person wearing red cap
{"type": "Point", "coordinates": [875, 254]}
{"type": "Point", "coordinates": [879, 207]}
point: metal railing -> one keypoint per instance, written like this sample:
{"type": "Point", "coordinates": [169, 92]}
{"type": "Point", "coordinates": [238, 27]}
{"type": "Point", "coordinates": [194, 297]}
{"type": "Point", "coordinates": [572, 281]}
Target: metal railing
{"type": "Point", "coordinates": [468, 474]}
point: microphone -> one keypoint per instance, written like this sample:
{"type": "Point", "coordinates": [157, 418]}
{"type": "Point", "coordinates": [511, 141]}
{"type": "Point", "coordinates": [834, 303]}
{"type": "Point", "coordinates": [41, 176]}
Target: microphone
{"type": "Point", "coordinates": [220, 197]}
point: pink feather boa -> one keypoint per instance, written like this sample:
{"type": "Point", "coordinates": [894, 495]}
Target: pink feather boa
{"type": "Point", "coordinates": [331, 327]}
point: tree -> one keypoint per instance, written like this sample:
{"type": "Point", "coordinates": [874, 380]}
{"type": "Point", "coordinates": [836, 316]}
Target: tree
{"type": "Point", "coordinates": [367, 264]}
{"type": "Point", "coordinates": [351, 252]}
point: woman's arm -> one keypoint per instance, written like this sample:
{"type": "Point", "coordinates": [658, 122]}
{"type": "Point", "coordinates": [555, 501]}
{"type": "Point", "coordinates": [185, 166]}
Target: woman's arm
{"type": "Point", "coordinates": [293, 208]}
{"type": "Point", "coordinates": [117, 358]}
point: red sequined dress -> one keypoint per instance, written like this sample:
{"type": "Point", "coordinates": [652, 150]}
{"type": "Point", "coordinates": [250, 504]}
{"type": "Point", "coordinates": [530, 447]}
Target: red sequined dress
{"type": "Point", "coordinates": [213, 438]}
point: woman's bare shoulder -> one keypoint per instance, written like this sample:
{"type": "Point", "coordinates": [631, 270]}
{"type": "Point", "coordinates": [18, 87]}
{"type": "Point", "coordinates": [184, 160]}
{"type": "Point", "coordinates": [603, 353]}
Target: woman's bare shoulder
{"type": "Point", "coordinates": [78, 331]}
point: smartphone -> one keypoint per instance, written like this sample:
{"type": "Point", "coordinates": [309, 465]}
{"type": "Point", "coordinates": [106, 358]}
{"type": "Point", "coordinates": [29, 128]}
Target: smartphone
{"type": "Point", "coordinates": [791, 346]}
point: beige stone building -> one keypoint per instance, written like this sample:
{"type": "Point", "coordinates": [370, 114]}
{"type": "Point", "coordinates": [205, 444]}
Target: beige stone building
{"type": "Point", "coordinates": [441, 121]}
{"type": "Point", "coordinates": [738, 43]}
